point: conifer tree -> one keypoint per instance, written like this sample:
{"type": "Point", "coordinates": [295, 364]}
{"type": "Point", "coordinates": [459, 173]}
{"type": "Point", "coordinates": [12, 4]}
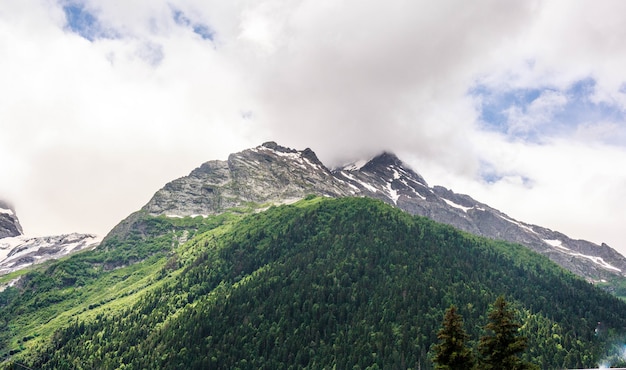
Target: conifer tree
{"type": "Point", "coordinates": [501, 346]}
{"type": "Point", "coordinates": [451, 351]}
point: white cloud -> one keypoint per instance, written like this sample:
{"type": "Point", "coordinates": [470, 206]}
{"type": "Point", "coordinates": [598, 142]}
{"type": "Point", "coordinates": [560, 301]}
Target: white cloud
{"type": "Point", "coordinates": [88, 125]}
{"type": "Point", "coordinates": [574, 187]}
{"type": "Point", "coordinates": [539, 112]}
{"type": "Point", "coordinates": [360, 75]}
{"type": "Point", "coordinates": [92, 129]}
{"type": "Point", "coordinates": [602, 131]}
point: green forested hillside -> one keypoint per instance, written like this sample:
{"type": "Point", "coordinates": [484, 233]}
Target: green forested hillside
{"type": "Point", "coordinates": [53, 295]}
{"type": "Point", "coordinates": [344, 283]}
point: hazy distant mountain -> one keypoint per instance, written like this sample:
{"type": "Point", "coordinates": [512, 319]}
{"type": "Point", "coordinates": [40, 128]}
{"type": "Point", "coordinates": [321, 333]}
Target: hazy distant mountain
{"type": "Point", "coordinates": [9, 224]}
{"type": "Point", "coordinates": [273, 174]}
{"type": "Point", "coordinates": [18, 251]}
{"type": "Point", "coordinates": [22, 251]}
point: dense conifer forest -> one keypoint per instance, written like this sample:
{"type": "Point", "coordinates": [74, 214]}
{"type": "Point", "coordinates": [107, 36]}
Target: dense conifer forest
{"type": "Point", "coordinates": [346, 283]}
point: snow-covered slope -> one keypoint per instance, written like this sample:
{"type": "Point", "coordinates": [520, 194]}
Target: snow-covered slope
{"type": "Point", "coordinates": [21, 251]}
{"type": "Point", "coordinates": [18, 251]}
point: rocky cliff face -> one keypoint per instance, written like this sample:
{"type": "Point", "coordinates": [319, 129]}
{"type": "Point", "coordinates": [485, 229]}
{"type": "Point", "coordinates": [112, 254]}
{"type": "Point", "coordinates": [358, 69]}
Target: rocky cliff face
{"type": "Point", "coordinates": [272, 174]}
{"type": "Point", "coordinates": [269, 174]}
{"type": "Point", "coordinates": [9, 224]}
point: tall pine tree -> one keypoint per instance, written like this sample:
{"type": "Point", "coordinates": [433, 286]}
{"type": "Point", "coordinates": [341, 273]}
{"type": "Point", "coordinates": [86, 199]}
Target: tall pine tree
{"type": "Point", "coordinates": [501, 346]}
{"type": "Point", "coordinates": [451, 352]}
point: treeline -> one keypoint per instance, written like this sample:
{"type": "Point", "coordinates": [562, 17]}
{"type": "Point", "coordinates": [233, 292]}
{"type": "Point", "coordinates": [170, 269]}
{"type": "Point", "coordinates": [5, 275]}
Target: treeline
{"type": "Point", "coordinates": [345, 283]}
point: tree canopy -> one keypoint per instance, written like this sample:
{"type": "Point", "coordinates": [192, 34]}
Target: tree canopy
{"type": "Point", "coordinates": [452, 352]}
{"type": "Point", "coordinates": [502, 345]}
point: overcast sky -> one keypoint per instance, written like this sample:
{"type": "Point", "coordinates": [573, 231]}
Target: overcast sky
{"type": "Point", "coordinates": [521, 104]}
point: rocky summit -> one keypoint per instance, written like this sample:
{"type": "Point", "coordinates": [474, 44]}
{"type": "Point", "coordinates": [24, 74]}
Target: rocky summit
{"type": "Point", "coordinates": [272, 174]}
{"type": "Point", "coordinates": [266, 174]}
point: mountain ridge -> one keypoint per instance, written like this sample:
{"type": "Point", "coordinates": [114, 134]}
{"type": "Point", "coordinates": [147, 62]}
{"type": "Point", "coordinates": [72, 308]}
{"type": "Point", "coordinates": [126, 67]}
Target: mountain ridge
{"type": "Point", "coordinates": [271, 174]}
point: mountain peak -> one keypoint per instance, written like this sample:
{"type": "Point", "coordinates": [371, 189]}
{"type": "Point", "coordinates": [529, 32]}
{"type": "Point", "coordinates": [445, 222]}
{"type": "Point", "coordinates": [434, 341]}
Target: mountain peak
{"type": "Point", "coordinates": [279, 148]}
{"type": "Point", "coordinates": [282, 150]}
{"type": "Point", "coordinates": [390, 166]}
{"type": "Point", "coordinates": [384, 159]}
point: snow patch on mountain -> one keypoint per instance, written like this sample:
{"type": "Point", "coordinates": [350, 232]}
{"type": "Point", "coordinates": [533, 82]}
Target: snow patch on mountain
{"type": "Point", "coordinates": [523, 226]}
{"type": "Point", "coordinates": [310, 164]}
{"type": "Point", "coordinates": [413, 189]}
{"type": "Point", "coordinates": [557, 243]}
{"type": "Point", "coordinates": [279, 151]}
{"type": "Point", "coordinates": [363, 184]}
{"type": "Point", "coordinates": [393, 194]}
{"type": "Point", "coordinates": [455, 205]}
{"type": "Point", "coordinates": [355, 166]}
{"type": "Point", "coordinates": [7, 245]}
{"type": "Point", "coordinates": [354, 189]}
{"type": "Point", "coordinates": [597, 260]}
{"type": "Point", "coordinates": [396, 174]}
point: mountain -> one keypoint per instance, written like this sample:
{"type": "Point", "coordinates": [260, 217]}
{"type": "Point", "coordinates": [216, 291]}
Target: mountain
{"type": "Point", "coordinates": [241, 265]}
{"type": "Point", "coordinates": [273, 174]}
{"type": "Point", "coordinates": [9, 224]}
{"type": "Point", "coordinates": [18, 251]}
{"type": "Point", "coordinates": [322, 283]}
